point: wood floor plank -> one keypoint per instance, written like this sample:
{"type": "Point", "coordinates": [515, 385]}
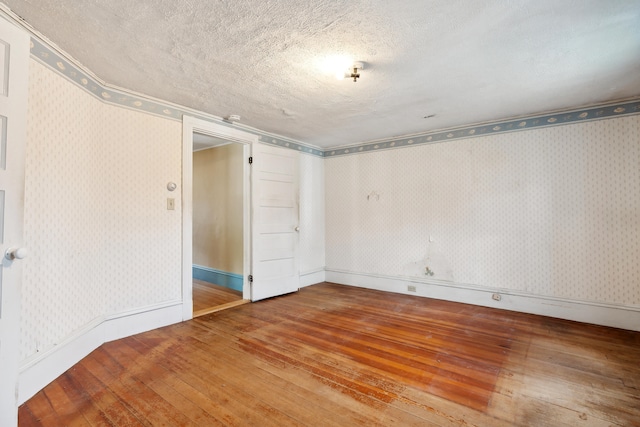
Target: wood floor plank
{"type": "Point", "coordinates": [428, 415]}
{"type": "Point", "coordinates": [70, 412]}
{"type": "Point", "coordinates": [115, 410]}
{"type": "Point", "coordinates": [202, 377]}
{"type": "Point", "coordinates": [436, 369]}
{"type": "Point", "coordinates": [221, 307]}
{"type": "Point", "coordinates": [299, 401]}
{"type": "Point", "coordinates": [26, 417]}
{"type": "Point", "coordinates": [336, 355]}
{"type": "Point", "coordinates": [197, 390]}
{"type": "Point", "coordinates": [152, 375]}
{"type": "Point", "coordinates": [337, 407]}
{"type": "Point", "coordinates": [207, 295]}
{"type": "Point", "coordinates": [42, 410]}
{"type": "Point", "coordinates": [147, 404]}
{"type": "Point", "coordinates": [84, 403]}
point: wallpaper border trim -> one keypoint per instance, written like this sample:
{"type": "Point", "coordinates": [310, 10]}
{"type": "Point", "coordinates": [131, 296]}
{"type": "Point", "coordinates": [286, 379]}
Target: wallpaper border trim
{"type": "Point", "coordinates": [61, 63]}
{"type": "Point", "coordinates": [58, 61]}
{"type": "Point", "coordinates": [565, 117]}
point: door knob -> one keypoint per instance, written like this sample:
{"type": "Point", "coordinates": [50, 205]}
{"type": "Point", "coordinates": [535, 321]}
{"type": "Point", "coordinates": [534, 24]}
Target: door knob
{"type": "Point", "coordinates": [16, 253]}
{"type": "Point", "coordinates": [297, 228]}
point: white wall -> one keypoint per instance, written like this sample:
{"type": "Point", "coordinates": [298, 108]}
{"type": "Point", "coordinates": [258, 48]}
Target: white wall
{"type": "Point", "coordinates": [217, 208]}
{"type": "Point", "coordinates": [551, 212]}
{"type": "Point", "coordinates": [312, 221]}
{"type": "Point", "coordinates": [100, 237]}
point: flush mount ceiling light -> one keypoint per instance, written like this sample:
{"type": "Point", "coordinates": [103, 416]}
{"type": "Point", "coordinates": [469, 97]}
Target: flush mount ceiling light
{"type": "Point", "coordinates": [353, 72]}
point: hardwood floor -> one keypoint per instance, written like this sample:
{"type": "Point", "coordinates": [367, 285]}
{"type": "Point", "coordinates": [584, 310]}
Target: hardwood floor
{"type": "Point", "coordinates": [207, 295]}
{"type": "Point", "coordinates": [333, 355]}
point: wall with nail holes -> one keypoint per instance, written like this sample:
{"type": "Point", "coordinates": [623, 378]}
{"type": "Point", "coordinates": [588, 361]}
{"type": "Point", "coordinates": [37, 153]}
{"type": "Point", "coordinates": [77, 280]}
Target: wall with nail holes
{"type": "Point", "coordinates": [551, 212]}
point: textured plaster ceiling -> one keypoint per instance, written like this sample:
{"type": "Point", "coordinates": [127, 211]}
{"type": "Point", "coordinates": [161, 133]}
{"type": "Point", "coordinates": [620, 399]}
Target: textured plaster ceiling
{"type": "Point", "coordinates": [464, 61]}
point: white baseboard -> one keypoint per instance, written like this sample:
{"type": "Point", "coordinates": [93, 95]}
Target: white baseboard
{"type": "Point", "coordinates": [617, 316]}
{"type": "Point", "coordinates": [136, 321]}
{"type": "Point", "coordinates": [312, 277]}
{"type": "Point", "coordinates": [39, 370]}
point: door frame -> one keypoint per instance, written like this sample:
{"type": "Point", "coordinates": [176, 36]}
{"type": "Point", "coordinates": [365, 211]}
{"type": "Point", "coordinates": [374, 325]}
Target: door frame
{"type": "Point", "coordinates": [189, 126]}
{"type": "Point", "coordinates": [13, 103]}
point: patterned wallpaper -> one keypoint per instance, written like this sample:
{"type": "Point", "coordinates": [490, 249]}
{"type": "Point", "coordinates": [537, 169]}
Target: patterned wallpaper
{"type": "Point", "coordinates": [101, 240]}
{"type": "Point", "coordinates": [552, 211]}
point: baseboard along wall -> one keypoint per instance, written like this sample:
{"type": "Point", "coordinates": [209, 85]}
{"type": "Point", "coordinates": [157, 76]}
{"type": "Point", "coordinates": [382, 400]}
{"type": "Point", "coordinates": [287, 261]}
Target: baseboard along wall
{"type": "Point", "coordinates": [312, 277]}
{"type": "Point", "coordinates": [616, 316]}
{"type": "Point", "coordinates": [39, 370]}
{"type": "Point", "coordinates": [218, 277]}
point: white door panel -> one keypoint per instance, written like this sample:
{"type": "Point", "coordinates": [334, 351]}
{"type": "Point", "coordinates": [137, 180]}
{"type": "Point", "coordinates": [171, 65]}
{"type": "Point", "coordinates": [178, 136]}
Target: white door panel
{"type": "Point", "coordinates": [276, 255]}
{"type": "Point", "coordinates": [14, 68]}
{"type": "Point", "coordinates": [277, 164]}
{"type": "Point", "coordinates": [275, 215]}
{"type": "Point", "coordinates": [271, 216]}
{"type": "Point", "coordinates": [278, 241]}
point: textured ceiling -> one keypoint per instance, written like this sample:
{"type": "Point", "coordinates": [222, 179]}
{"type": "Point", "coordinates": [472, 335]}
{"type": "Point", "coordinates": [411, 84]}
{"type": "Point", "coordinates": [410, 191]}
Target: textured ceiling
{"type": "Point", "coordinates": [462, 61]}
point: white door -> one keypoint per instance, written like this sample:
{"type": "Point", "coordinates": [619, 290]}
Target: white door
{"type": "Point", "coordinates": [14, 68]}
{"type": "Point", "coordinates": [275, 214]}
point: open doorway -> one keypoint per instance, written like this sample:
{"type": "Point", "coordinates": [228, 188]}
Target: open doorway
{"type": "Point", "coordinates": [270, 213]}
{"type": "Point", "coordinates": [202, 135]}
{"type": "Point", "coordinates": [218, 247]}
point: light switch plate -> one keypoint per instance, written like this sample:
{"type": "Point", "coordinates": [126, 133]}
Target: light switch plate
{"type": "Point", "coordinates": [171, 204]}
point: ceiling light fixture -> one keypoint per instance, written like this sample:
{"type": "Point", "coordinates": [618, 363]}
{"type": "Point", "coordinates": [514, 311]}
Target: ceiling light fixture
{"type": "Point", "coordinates": [353, 72]}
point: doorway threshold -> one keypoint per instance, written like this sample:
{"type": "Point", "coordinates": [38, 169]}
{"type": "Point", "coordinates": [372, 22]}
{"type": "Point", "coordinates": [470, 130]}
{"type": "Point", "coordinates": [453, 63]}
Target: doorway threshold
{"type": "Point", "coordinates": [220, 307]}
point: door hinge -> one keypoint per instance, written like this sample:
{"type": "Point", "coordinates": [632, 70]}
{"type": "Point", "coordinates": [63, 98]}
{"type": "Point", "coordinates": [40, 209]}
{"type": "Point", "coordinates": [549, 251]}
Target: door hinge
{"type": "Point", "coordinates": [250, 160]}
{"type": "Point", "coordinates": [251, 278]}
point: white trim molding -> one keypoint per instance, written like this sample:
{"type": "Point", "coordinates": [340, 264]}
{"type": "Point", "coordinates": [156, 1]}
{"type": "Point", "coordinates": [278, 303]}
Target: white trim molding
{"type": "Point", "coordinates": [616, 316]}
{"type": "Point", "coordinates": [189, 126]}
{"type": "Point", "coordinates": [42, 368]}
{"type": "Point", "coordinates": [313, 277]}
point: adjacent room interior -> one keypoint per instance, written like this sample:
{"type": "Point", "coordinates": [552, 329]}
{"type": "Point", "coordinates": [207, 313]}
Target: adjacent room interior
{"type": "Point", "coordinates": [202, 225]}
{"type": "Point", "coordinates": [217, 224]}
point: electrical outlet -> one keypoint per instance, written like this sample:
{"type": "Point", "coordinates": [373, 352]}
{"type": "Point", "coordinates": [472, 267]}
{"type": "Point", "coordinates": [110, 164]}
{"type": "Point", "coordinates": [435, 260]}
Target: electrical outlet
{"type": "Point", "coordinates": [171, 204]}
{"type": "Point", "coordinates": [496, 297]}
{"type": "Point", "coordinates": [411, 288]}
